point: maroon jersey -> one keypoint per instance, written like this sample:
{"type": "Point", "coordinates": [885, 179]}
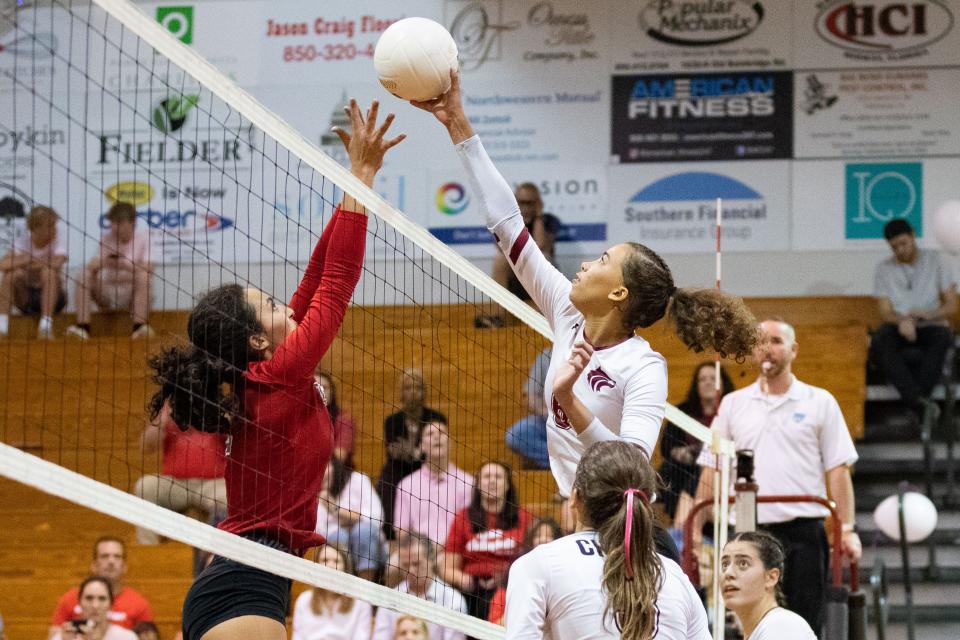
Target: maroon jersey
{"type": "Point", "coordinates": [279, 451]}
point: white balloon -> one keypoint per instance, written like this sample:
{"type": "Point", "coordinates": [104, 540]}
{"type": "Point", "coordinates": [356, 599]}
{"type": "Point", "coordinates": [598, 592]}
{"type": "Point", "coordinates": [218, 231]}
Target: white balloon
{"type": "Point", "coordinates": [919, 516]}
{"type": "Point", "coordinates": [946, 225]}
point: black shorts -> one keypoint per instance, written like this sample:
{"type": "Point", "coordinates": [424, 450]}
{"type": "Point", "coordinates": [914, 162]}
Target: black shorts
{"type": "Point", "coordinates": [34, 299]}
{"type": "Point", "coordinates": [228, 589]}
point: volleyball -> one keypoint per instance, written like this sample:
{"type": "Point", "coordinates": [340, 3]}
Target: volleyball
{"type": "Point", "coordinates": [414, 57]}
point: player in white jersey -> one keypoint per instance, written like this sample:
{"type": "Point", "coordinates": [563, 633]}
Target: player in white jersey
{"type": "Point", "coordinates": [607, 579]}
{"type": "Point", "coordinates": [752, 570]}
{"type": "Point", "coordinates": [595, 318]}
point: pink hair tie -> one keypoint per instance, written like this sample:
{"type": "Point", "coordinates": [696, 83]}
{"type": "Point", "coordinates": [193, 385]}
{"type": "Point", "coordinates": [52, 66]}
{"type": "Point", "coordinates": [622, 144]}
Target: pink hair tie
{"type": "Point", "coordinates": [629, 527]}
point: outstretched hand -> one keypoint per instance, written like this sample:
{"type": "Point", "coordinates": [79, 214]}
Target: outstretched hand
{"type": "Point", "coordinates": [448, 110]}
{"type": "Point", "coordinates": [570, 370]}
{"type": "Point", "coordinates": [365, 142]}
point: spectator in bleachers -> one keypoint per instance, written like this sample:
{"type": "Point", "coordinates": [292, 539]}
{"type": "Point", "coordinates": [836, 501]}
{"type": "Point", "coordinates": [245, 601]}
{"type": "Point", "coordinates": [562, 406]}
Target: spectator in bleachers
{"type": "Point", "coordinates": [528, 436]}
{"type": "Point", "coordinates": [118, 277]}
{"type": "Point", "coordinates": [32, 273]}
{"type": "Point", "coordinates": [916, 290]}
{"type": "Point", "coordinates": [191, 475]}
{"type": "Point", "coordinates": [350, 516]}
{"type": "Point", "coordinates": [127, 607]}
{"type": "Point", "coordinates": [410, 628]}
{"type": "Point", "coordinates": [401, 435]}
{"type": "Point", "coordinates": [540, 532]}
{"type": "Point", "coordinates": [429, 498]}
{"type": "Point", "coordinates": [344, 431]}
{"type": "Point", "coordinates": [485, 538]}
{"type": "Point", "coordinates": [92, 621]}
{"type": "Point", "coordinates": [680, 450]}
{"type": "Point", "coordinates": [147, 631]}
{"type": "Point", "coordinates": [325, 615]}
{"type": "Point", "coordinates": [417, 560]}
{"type": "Point", "coordinates": [543, 228]}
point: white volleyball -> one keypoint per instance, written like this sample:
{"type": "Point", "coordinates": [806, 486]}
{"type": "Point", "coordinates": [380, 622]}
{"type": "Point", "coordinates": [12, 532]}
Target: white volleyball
{"type": "Point", "coordinates": [946, 225]}
{"type": "Point", "coordinates": [414, 57]}
{"type": "Point", "coordinates": [919, 516]}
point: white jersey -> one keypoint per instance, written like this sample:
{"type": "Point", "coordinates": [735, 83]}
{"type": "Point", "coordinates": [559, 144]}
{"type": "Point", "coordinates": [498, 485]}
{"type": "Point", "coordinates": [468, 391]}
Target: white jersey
{"type": "Point", "coordinates": [555, 592]}
{"type": "Point", "coordinates": [782, 624]}
{"type": "Point", "coordinates": [624, 386]}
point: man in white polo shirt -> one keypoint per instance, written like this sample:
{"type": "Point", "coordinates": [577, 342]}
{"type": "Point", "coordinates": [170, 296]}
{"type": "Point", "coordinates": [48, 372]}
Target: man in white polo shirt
{"type": "Point", "coordinates": [801, 445]}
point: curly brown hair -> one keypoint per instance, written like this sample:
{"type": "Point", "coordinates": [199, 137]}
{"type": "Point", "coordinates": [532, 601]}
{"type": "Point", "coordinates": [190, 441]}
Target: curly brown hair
{"type": "Point", "coordinates": [703, 318]}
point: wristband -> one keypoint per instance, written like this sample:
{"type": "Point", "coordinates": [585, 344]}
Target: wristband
{"type": "Point", "coordinates": [849, 528]}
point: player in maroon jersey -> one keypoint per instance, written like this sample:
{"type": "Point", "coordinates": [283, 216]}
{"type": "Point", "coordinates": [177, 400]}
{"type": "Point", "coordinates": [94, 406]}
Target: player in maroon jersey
{"type": "Point", "coordinates": [248, 372]}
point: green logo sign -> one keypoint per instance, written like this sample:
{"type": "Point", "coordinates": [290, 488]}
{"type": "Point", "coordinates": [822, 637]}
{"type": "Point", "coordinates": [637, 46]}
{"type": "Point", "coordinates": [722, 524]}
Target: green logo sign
{"type": "Point", "coordinates": [878, 193]}
{"type": "Point", "coordinates": [171, 114]}
{"type": "Point", "coordinates": [178, 21]}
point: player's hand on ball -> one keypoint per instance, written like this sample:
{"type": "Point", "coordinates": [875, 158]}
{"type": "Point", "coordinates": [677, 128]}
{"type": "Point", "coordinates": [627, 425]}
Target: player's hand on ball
{"type": "Point", "coordinates": [365, 142]}
{"type": "Point", "coordinates": [448, 108]}
{"type": "Point", "coordinates": [570, 370]}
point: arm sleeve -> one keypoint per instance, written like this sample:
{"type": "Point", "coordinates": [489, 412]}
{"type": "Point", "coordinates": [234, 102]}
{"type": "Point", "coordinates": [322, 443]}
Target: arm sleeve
{"type": "Point", "coordinates": [364, 619]}
{"type": "Point", "coordinates": [881, 288]}
{"type": "Point", "coordinates": [60, 242]}
{"type": "Point", "coordinates": [525, 613]}
{"type": "Point", "coordinates": [545, 284]}
{"type": "Point", "coordinates": [459, 534]}
{"type": "Point", "coordinates": [343, 432]}
{"type": "Point", "coordinates": [643, 407]}
{"type": "Point", "coordinates": [298, 355]}
{"type": "Point", "coordinates": [402, 505]}
{"type": "Point", "coordinates": [644, 400]}
{"type": "Point", "coordinates": [144, 612]}
{"type": "Point", "coordinates": [836, 445]}
{"type": "Point", "coordinates": [300, 301]}
{"type": "Point", "coordinates": [383, 624]}
{"type": "Point", "coordinates": [63, 612]}
{"type": "Point", "coordinates": [948, 275]}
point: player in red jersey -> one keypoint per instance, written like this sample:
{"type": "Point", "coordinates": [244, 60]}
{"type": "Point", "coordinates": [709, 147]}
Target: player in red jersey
{"type": "Point", "coordinates": [248, 372]}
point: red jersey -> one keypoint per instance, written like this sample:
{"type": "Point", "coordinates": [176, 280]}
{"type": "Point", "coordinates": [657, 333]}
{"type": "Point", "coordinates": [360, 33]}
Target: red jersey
{"type": "Point", "coordinates": [128, 608]}
{"type": "Point", "coordinates": [279, 450]}
{"type": "Point", "coordinates": [191, 453]}
{"type": "Point", "coordinates": [487, 553]}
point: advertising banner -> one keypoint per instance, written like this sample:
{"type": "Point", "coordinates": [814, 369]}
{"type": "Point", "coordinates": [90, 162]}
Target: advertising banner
{"type": "Point", "coordinates": [710, 116]}
{"type": "Point", "coordinates": [672, 207]}
{"type": "Point", "coordinates": [650, 36]}
{"type": "Point", "coordinates": [860, 113]}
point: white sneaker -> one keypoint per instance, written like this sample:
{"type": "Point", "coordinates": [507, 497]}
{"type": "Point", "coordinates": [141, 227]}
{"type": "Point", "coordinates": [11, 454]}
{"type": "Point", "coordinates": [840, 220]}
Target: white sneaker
{"type": "Point", "coordinates": [73, 331]}
{"type": "Point", "coordinates": [145, 331]}
{"type": "Point", "coordinates": [45, 332]}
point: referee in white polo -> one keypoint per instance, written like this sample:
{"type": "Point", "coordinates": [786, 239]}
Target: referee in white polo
{"type": "Point", "coordinates": [801, 445]}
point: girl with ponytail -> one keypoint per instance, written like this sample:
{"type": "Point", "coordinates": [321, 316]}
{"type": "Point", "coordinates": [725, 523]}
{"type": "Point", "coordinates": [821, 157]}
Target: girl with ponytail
{"type": "Point", "coordinates": [606, 580]}
{"type": "Point", "coordinates": [248, 373]}
{"type": "Point", "coordinates": [597, 318]}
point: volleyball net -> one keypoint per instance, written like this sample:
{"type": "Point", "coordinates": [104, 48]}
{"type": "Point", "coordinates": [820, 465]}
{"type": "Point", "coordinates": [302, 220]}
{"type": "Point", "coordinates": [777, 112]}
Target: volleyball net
{"type": "Point", "coordinates": [102, 104]}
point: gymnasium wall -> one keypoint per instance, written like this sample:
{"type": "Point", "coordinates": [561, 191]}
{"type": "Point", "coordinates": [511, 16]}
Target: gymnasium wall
{"type": "Point", "coordinates": [816, 122]}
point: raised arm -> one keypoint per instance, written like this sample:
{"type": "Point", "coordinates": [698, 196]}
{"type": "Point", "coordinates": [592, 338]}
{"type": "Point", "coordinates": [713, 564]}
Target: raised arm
{"type": "Point", "coordinates": [339, 253]}
{"type": "Point", "coordinates": [548, 288]}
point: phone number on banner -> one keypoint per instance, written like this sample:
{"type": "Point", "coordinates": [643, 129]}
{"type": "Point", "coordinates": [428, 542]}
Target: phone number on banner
{"type": "Point", "coordinates": [327, 52]}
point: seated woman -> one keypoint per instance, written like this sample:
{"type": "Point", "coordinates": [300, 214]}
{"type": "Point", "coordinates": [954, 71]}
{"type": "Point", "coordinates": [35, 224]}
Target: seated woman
{"type": "Point", "coordinates": [680, 471]}
{"type": "Point", "coordinates": [751, 568]}
{"type": "Point", "coordinates": [324, 615]}
{"type": "Point", "coordinates": [96, 597]}
{"type": "Point", "coordinates": [350, 515]}
{"type": "Point", "coordinates": [540, 532]}
{"type": "Point", "coordinates": [485, 538]}
{"type": "Point", "coordinates": [410, 628]}
{"type": "Point", "coordinates": [344, 430]}
{"type": "Point", "coordinates": [401, 436]}
{"type": "Point", "coordinates": [192, 469]}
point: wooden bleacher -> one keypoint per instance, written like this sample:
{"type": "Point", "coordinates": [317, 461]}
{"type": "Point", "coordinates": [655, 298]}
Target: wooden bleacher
{"type": "Point", "coordinates": [82, 405]}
